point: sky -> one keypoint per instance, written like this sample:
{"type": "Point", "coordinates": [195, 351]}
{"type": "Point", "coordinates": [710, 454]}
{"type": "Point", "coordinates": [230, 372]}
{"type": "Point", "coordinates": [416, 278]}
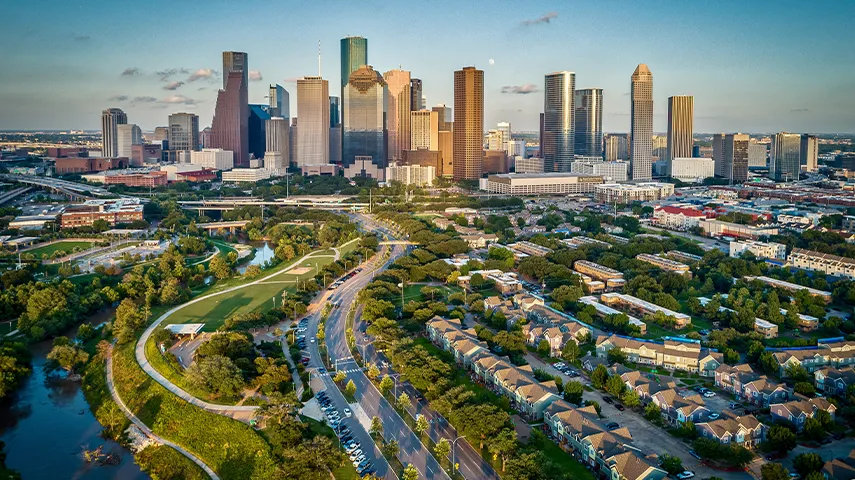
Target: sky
{"type": "Point", "coordinates": [752, 66]}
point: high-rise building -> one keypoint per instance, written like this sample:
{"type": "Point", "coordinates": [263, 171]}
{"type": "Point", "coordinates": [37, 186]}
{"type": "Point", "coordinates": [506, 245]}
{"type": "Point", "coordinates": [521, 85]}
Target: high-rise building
{"type": "Point", "coordinates": [364, 134]}
{"type": "Point", "coordinates": [617, 147]}
{"type": "Point", "coordinates": [160, 134]}
{"type": "Point", "coordinates": [128, 135]}
{"type": "Point", "coordinates": [680, 127]}
{"type": "Point", "coordinates": [335, 112]}
{"type": "Point", "coordinates": [398, 112]}
{"type": "Point", "coordinates": [416, 97]}
{"type": "Point", "coordinates": [312, 145]}
{"type": "Point", "coordinates": [110, 119]}
{"type": "Point", "coordinates": [280, 102]}
{"type": "Point", "coordinates": [730, 156]}
{"type": "Point", "coordinates": [505, 129]}
{"type": "Point", "coordinates": [809, 152]}
{"type": "Point", "coordinates": [446, 150]}
{"type": "Point", "coordinates": [424, 130]}
{"type": "Point", "coordinates": [468, 123]}
{"type": "Point", "coordinates": [445, 117]}
{"type": "Point", "coordinates": [784, 157]}
{"type": "Point", "coordinates": [589, 122]}
{"type": "Point", "coordinates": [641, 123]}
{"type": "Point", "coordinates": [354, 54]}
{"type": "Point", "coordinates": [757, 154]}
{"type": "Point", "coordinates": [496, 140]}
{"type": "Point", "coordinates": [258, 117]}
{"type": "Point", "coordinates": [183, 134]}
{"type": "Point", "coordinates": [558, 142]}
{"type": "Point", "coordinates": [277, 145]}
{"type": "Point", "coordinates": [235, 62]}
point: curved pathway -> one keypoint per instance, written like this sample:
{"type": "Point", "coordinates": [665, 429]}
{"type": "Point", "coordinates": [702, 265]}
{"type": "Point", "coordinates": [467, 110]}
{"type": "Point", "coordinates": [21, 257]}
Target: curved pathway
{"type": "Point", "coordinates": [136, 421]}
{"type": "Point", "coordinates": [243, 413]}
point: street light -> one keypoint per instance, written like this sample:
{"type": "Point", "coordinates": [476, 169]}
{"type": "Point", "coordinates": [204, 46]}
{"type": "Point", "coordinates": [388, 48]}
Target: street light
{"type": "Point", "coordinates": [453, 443]}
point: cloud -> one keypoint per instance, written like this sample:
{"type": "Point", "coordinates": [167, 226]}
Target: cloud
{"type": "Point", "coordinates": [131, 71]}
{"type": "Point", "coordinates": [173, 85]}
{"type": "Point", "coordinates": [178, 99]}
{"type": "Point", "coordinates": [145, 99]}
{"type": "Point", "coordinates": [520, 89]}
{"type": "Point", "coordinates": [254, 76]}
{"type": "Point", "coordinates": [542, 19]}
{"type": "Point", "coordinates": [800, 110]}
{"type": "Point", "coordinates": [82, 38]}
{"type": "Point", "coordinates": [118, 98]}
{"type": "Point", "coordinates": [200, 74]}
{"type": "Point", "coordinates": [292, 79]}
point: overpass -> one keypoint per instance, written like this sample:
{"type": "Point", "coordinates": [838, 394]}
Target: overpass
{"type": "Point", "coordinates": [11, 194]}
{"type": "Point", "coordinates": [217, 226]}
{"type": "Point", "coordinates": [223, 204]}
{"type": "Point", "coordinates": [72, 189]}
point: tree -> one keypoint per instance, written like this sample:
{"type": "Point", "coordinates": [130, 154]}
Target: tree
{"type": "Point", "coordinates": [373, 372]}
{"type": "Point", "coordinates": [350, 388]}
{"type": "Point", "coordinates": [631, 399]}
{"type": "Point", "coordinates": [386, 385]}
{"type": "Point", "coordinates": [806, 463]}
{"type": "Point", "coordinates": [543, 348]}
{"type": "Point", "coordinates": [768, 363]}
{"type": "Point", "coordinates": [129, 319]}
{"type": "Point", "coordinates": [376, 427]}
{"type": "Point", "coordinates": [671, 464]}
{"type": "Point", "coordinates": [599, 376]}
{"type": "Point", "coordinates": [652, 412]}
{"type": "Point", "coordinates": [615, 386]}
{"type": "Point", "coordinates": [570, 352]}
{"type": "Point", "coordinates": [774, 471]}
{"type": "Point", "coordinates": [68, 357]}
{"type": "Point", "coordinates": [504, 445]}
{"type": "Point", "coordinates": [391, 449]}
{"type": "Point", "coordinates": [804, 388]}
{"type": "Point", "coordinates": [573, 392]}
{"type": "Point", "coordinates": [422, 424]}
{"type": "Point", "coordinates": [442, 449]}
{"type": "Point", "coordinates": [403, 402]}
{"type": "Point", "coordinates": [410, 473]}
{"type": "Point", "coordinates": [220, 267]}
{"type": "Point", "coordinates": [781, 439]}
{"type": "Point", "coordinates": [813, 429]}
{"type": "Point", "coordinates": [112, 416]}
{"type": "Point", "coordinates": [339, 377]}
{"type": "Point", "coordinates": [217, 374]}
{"type": "Point", "coordinates": [824, 419]}
{"type": "Point", "coordinates": [797, 373]}
{"type": "Point", "coordinates": [252, 271]}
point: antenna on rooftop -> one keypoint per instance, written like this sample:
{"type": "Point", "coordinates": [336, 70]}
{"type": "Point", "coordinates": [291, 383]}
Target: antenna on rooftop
{"type": "Point", "coordinates": [319, 58]}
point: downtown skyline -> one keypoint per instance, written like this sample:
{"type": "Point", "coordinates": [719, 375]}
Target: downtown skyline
{"type": "Point", "coordinates": [744, 74]}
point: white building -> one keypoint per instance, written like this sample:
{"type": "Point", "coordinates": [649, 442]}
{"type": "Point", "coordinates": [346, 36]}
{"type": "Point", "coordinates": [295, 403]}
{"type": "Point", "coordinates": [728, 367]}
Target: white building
{"type": "Point", "coordinates": [528, 165]}
{"type": "Point", "coordinates": [610, 171]}
{"type": "Point", "coordinates": [757, 154]}
{"type": "Point", "coordinates": [277, 145]}
{"type": "Point", "coordinates": [516, 148]}
{"type": "Point", "coordinates": [128, 135]}
{"type": "Point", "coordinates": [692, 169]}
{"type": "Point", "coordinates": [759, 249]}
{"type": "Point", "coordinates": [822, 262]}
{"type": "Point", "coordinates": [628, 193]}
{"type": "Point", "coordinates": [246, 175]}
{"type": "Point", "coordinates": [540, 183]}
{"type": "Point", "coordinates": [677, 218]}
{"type": "Point", "coordinates": [213, 158]}
{"type": "Point", "coordinates": [411, 174]}
{"type": "Point", "coordinates": [424, 130]}
{"type": "Point", "coordinates": [175, 169]}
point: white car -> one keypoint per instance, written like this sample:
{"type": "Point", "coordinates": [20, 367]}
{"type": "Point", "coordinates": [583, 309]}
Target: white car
{"type": "Point", "coordinates": [714, 416]}
{"type": "Point", "coordinates": [347, 412]}
{"type": "Point", "coordinates": [355, 454]}
{"type": "Point", "coordinates": [685, 475]}
{"type": "Point", "coordinates": [709, 394]}
{"type": "Point", "coordinates": [351, 448]}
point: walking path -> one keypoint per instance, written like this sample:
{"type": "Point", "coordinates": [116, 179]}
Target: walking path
{"type": "Point", "coordinates": [136, 421]}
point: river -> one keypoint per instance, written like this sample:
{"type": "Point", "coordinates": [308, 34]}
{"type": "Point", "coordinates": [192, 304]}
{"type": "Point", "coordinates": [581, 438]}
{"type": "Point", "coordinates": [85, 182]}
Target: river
{"type": "Point", "coordinates": [263, 254]}
{"type": "Point", "coordinates": [46, 425]}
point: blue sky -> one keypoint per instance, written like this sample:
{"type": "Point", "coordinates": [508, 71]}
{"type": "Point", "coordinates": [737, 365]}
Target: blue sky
{"type": "Point", "coordinates": [752, 66]}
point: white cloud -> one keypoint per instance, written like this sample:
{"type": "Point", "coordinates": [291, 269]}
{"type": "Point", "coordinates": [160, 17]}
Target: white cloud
{"type": "Point", "coordinates": [178, 99]}
{"type": "Point", "coordinates": [201, 74]}
{"type": "Point", "coordinates": [173, 85]}
{"type": "Point", "coordinates": [255, 76]}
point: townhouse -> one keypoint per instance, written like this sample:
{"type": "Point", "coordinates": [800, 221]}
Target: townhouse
{"type": "Point", "coordinates": [664, 263]}
{"type": "Point", "coordinates": [644, 386]}
{"type": "Point", "coordinates": [840, 468]}
{"type": "Point", "coordinates": [797, 412]}
{"type": "Point", "coordinates": [743, 430]}
{"type": "Point", "coordinates": [822, 262]}
{"type": "Point", "coordinates": [671, 354]}
{"type": "Point", "coordinates": [555, 327]}
{"type": "Point", "coordinates": [833, 352]}
{"type": "Point", "coordinates": [512, 312]}
{"type": "Point", "coordinates": [677, 217]}
{"type": "Point", "coordinates": [751, 387]}
{"type": "Point", "coordinates": [677, 409]}
{"type": "Point", "coordinates": [480, 240]}
{"type": "Point", "coordinates": [832, 381]}
{"type": "Point", "coordinates": [793, 287]}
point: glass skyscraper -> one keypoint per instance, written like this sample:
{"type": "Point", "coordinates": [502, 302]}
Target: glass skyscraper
{"type": "Point", "coordinates": [589, 122]}
{"type": "Point", "coordinates": [366, 99]}
{"type": "Point", "coordinates": [354, 54]}
{"type": "Point", "coordinates": [784, 161]}
{"type": "Point", "coordinates": [641, 123]}
{"type": "Point", "coordinates": [559, 130]}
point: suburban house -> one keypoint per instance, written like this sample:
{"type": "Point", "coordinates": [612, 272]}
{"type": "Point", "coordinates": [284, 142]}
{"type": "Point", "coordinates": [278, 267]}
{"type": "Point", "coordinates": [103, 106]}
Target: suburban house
{"type": "Point", "coordinates": [832, 381]}
{"type": "Point", "coordinates": [555, 327]}
{"type": "Point", "coordinates": [751, 387]}
{"type": "Point", "coordinates": [835, 352]}
{"type": "Point", "coordinates": [526, 302]}
{"type": "Point", "coordinates": [744, 430]}
{"type": "Point", "coordinates": [840, 468]}
{"type": "Point", "coordinates": [508, 307]}
{"type": "Point", "coordinates": [679, 410]}
{"type": "Point", "coordinates": [797, 412]}
{"type": "Point", "coordinates": [672, 354]}
{"type": "Point", "coordinates": [480, 240]}
{"type": "Point", "coordinates": [644, 386]}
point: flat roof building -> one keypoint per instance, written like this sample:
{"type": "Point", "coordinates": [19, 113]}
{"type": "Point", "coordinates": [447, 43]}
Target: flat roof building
{"type": "Point", "coordinates": [637, 192]}
{"type": "Point", "coordinates": [542, 183]}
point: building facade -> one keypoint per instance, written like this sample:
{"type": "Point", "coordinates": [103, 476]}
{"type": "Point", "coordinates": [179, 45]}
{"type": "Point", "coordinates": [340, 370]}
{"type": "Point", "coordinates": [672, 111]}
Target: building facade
{"type": "Point", "coordinates": [424, 130]}
{"type": "Point", "coordinates": [468, 123]}
{"type": "Point", "coordinates": [610, 171]}
{"type": "Point", "coordinates": [277, 145]}
{"type": "Point", "coordinates": [542, 183]}
{"type": "Point", "coordinates": [641, 123]}
{"type": "Point", "coordinates": [364, 134]}
{"type": "Point", "coordinates": [230, 127]}
{"type": "Point", "coordinates": [213, 158]}
{"type": "Point", "coordinates": [730, 154]}
{"type": "Point", "coordinates": [558, 142]}
{"type": "Point", "coordinates": [759, 249]}
{"type": "Point", "coordinates": [279, 102]}
{"type": "Point", "coordinates": [398, 113]}
{"type": "Point", "coordinates": [809, 152]}
{"type": "Point", "coordinates": [421, 176]}
{"type": "Point", "coordinates": [692, 169]}
{"type": "Point", "coordinates": [588, 124]}
{"type": "Point", "coordinates": [182, 134]}
{"type": "Point", "coordinates": [111, 118]}
{"type": "Point", "coordinates": [681, 114]}
{"type": "Point", "coordinates": [128, 135]}
{"type": "Point", "coordinates": [784, 161]}
{"type": "Point", "coordinates": [617, 146]}
{"type": "Point", "coordinates": [628, 193]}
{"type": "Point", "coordinates": [312, 145]}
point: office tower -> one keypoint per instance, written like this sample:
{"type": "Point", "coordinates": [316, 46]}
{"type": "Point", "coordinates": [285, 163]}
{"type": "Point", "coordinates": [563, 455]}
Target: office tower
{"type": "Point", "coordinates": [784, 157]}
{"type": "Point", "coordinates": [696, 151]}
{"type": "Point", "coordinates": [312, 144]}
{"type": "Point", "coordinates": [680, 127]}
{"type": "Point", "coordinates": [730, 156]}
{"type": "Point", "coordinates": [445, 117]}
{"type": "Point", "coordinates": [559, 136]}
{"type": "Point", "coordinates": [416, 97]}
{"type": "Point", "coordinates": [424, 130]}
{"type": "Point", "coordinates": [183, 134]}
{"type": "Point", "coordinates": [589, 122]}
{"type": "Point", "coordinates": [277, 145]}
{"type": "Point", "coordinates": [110, 119]}
{"type": "Point", "coordinates": [335, 145]}
{"type": "Point", "coordinates": [758, 154]}
{"type": "Point", "coordinates": [230, 127]}
{"type": "Point", "coordinates": [127, 135]}
{"type": "Point", "coordinates": [541, 135]}
{"type": "Point", "coordinates": [280, 102]}
{"type": "Point", "coordinates": [293, 137]}
{"type": "Point", "coordinates": [516, 148]}
{"type": "Point", "coordinates": [496, 140]}
{"type": "Point", "coordinates": [809, 152]}
{"type": "Point", "coordinates": [364, 135]}
{"type": "Point", "coordinates": [660, 147]}
{"type": "Point", "coordinates": [468, 131]}
{"type": "Point", "coordinates": [335, 112]}
{"type": "Point", "coordinates": [641, 123]}
{"type": "Point", "coordinates": [354, 54]}
{"type": "Point", "coordinates": [257, 125]}
{"type": "Point", "coordinates": [205, 136]}
{"type": "Point", "coordinates": [505, 129]}
{"type": "Point", "coordinates": [617, 147]}
{"type": "Point", "coordinates": [235, 62]}
{"type": "Point", "coordinates": [398, 112]}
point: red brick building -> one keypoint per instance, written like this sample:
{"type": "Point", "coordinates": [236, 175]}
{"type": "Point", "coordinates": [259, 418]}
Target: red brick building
{"type": "Point", "coordinates": [65, 165]}
{"type": "Point", "coordinates": [60, 152]}
{"type": "Point", "coordinates": [111, 211]}
{"type": "Point", "coordinates": [148, 179]}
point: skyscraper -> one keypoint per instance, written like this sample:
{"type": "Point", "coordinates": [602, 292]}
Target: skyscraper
{"type": "Point", "coordinates": [183, 134]}
{"type": "Point", "coordinates": [235, 62]}
{"type": "Point", "coordinates": [416, 98]}
{"type": "Point", "coordinates": [680, 127]}
{"type": "Point", "coordinates": [127, 135]}
{"type": "Point", "coordinates": [335, 112]}
{"type": "Point", "coordinates": [277, 145]}
{"type": "Point", "coordinates": [445, 117]}
{"type": "Point", "coordinates": [110, 119]}
{"type": "Point", "coordinates": [364, 135]}
{"type": "Point", "coordinates": [335, 130]}
{"type": "Point", "coordinates": [257, 127]}
{"type": "Point", "coordinates": [398, 113]}
{"type": "Point", "coordinates": [641, 123]}
{"type": "Point", "coordinates": [505, 128]}
{"type": "Point", "coordinates": [354, 54]}
{"type": "Point", "coordinates": [784, 157]}
{"type": "Point", "coordinates": [313, 132]}
{"type": "Point", "coordinates": [617, 146]}
{"type": "Point", "coordinates": [424, 130]}
{"type": "Point", "coordinates": [468, 131]}
{"type": "Point", "coordinates": [280, 102]}
{"type": "Point", "coordinates": [559, 135]}
{"type": "Point", "coordinates": [730, 156]}
{"type": "Point", "coordinates": [230, 127]}
{"type": "Point", "coordinates": [589, 122]}
{"type": "Point", "coordinates": [809, 152]}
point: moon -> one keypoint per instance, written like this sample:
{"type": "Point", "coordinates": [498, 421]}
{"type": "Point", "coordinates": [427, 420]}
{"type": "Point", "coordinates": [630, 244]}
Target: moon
{"type": "Point", "coordinates": [491, 61]}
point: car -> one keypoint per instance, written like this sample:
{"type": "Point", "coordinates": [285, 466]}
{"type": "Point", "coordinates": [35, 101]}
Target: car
{"type": "Point", "coordinates": [608, 400]}
{"type": "Point", "coordinates": [714, 416]}
{"type": "Point", "coordinates": [619, 407]}
{"type": "Point", "coordinates": [709, 394]}
{"type": "Point", "coordinates": [612, 426]}
{"type": "Point", "coordinates": [694, 454]}
{"type": "Point", "coordinates": [347, 412]}
{"type": "Point", "coordinates": [312, 340]}
{"type": "Point", "coordinates": [685, 475]}
{"type": "Point", "coordinates": [734, 405]}
{"type": "Point", "coordinates": [351, 448]}
{"type": "Point", "coordinates": [825, 441]}
{"type": "Point", "coordinates": [355, 454]}
{"type": "Point", "coordinates": [794, 476]}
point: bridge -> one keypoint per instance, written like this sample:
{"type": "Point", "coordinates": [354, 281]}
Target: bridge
{"type": "Point", "coordinates": [219, 226]}
{"type": "Point", "coordinates": [14, 193]}
{"type": "Point", "coordinates": [71, 189]}
{"type": "Point", "coordinates": [397, 242]}
{"type": "Point", "coordinates": [225, 204]}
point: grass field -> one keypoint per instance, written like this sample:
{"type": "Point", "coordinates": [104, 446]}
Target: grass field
{"type": "Point", "coordinates": [215, 310]}
{"type": "Point", "coordinates": [66, 247]}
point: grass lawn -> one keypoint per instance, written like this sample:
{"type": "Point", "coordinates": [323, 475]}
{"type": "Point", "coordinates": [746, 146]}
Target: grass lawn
{"type": "Point", "coordinates": [567, 464]}
{"type": "Point", "coordinates": [349, 247]}
{"type": "Point", "coordinates": [66, 247]}
{"type": "Point", "coordinates": [214, 311]}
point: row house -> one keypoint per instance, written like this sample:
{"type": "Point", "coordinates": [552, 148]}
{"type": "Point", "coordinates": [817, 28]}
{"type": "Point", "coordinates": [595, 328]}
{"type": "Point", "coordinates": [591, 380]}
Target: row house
{"type": "Point", "coordinates": [840, 468]}
{"type": "Point", "coordinates": [609, 453]}
{"type": "Point", "coordinates": [672, 354]}
{"type": "Point", "coordinates": [605, 310]}
{"type": "Point", "coordinates": [556, 336]}
{"type": "Point", "coordinates": [679, 410]}
{"type": "Point", "coordinates": [508, 307]}
{"type": "Point", "coordinates": [797, 412]}
{"type": "Point", "coordinates": [743, 430]}
{"type": "Point", "coordinates": [644, 386]}
{"type": "Point", "coordinates": [749, 386]}
{"type": "Point", "coordinates": [837, 353]}
{"type": "Point", "coordinates": [832, 381]}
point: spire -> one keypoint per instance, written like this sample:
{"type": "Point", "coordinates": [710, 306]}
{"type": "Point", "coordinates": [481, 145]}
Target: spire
{"type": "Point", "coordinates": [319, 58]}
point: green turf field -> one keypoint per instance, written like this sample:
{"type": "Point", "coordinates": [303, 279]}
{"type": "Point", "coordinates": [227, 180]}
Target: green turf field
{"type": "Point", "coordinates": [66, 247]}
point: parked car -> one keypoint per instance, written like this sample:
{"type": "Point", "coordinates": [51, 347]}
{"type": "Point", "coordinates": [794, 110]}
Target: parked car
{"type": "Point", "coordinates": [612, 426]}
{"type": "Point", "coordinates": [709, 394]}
{"type": "Point", "coordinates": [619, 407]}
{"type": "Point", "coordinates": [347, 412]}
{"type": "Point", "coordinates": [685, 475]}
{"type": "Point", "coordinates": [694, 454]}
{"type": "Point", "coordinates": [714, 416]}
{"type": "Point", "coordinates": [608, 400]}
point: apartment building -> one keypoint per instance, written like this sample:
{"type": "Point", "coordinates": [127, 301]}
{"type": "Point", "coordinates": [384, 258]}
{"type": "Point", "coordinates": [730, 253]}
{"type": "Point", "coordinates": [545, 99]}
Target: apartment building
{"type": "Point", "coordinates": [793, 287]}
{"type": "Point", "coordinates": [750, 387]}
{"type": "Point", "coordinates": [605, 310]}
{"type": "Point", "coordinates": [717, 228]}
{"type": "Point", "coordinates": [796, 412]}
{"type": "Point", "coordinates": [577, 242]}
{"type": "Point", "coordinates": [480, 240]}
{"type": "Point", "coordinates": [772, 250]}
{"type": "Point", "coordinates": [506, 283]}
{"type": "Point", "coordinates": [644, 386]}
{"type": "Point", "coordinates": [556, 328]}
{"type": "Point", "coordinates": [835, 352]}
{"type": "Point", "coordinates": [642, 307]}
{"type": "Point", "coordinates": [677, 409]}
{"type": "Point", "coordinates": [744, 430]}
{"type": "Point", "coordinates": [624, 193]}
{"type": "Point", "coordinates": [123, 210]}
{"type": "Point", "coordinates": [677, 218]}
{"type": "Point", "coordinates": [671, 354]}
{"type": "Point", "coordinates": [613, 279]}
{"type": "Point", "coordinates": [765, 328]}
{"type": "Point", "coordinates": [832, 381]}
{"type": "Point", "coordinates": [664, 263]}
{"type": "Point", "coordinates": [683, 256]}
{"type": "Point", "coordinates": [822, 262]}
{"type": "Point", "coordinates": [530, 248]}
